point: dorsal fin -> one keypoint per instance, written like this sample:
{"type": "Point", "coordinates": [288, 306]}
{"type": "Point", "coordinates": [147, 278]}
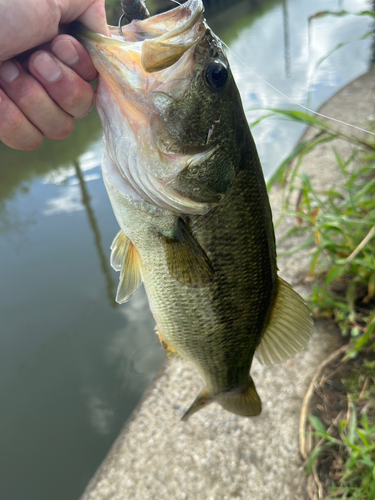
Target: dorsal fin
{"type": "Point", "coordinates": [125, 258]}
{"type": "Point", "coordinates": [289, 328]}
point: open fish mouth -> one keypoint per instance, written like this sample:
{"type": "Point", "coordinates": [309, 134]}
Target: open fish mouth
{"type": "Point", "coordinates": [141, 72]}
{"type": "Point", "coordinates": [147, 46]}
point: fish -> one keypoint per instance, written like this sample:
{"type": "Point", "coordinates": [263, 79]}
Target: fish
{"type": "Point", "coordinates": [187, 189]}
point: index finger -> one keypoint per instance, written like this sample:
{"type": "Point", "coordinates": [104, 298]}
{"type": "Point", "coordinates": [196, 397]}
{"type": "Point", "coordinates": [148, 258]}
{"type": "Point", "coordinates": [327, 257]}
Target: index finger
{"type": "Point", "coordinates": [95, 18]}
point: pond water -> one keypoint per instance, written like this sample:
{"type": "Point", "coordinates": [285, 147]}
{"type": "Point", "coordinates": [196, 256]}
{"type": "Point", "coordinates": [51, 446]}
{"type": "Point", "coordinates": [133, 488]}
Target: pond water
{"type": "Point", "coordinates": [73, 364]}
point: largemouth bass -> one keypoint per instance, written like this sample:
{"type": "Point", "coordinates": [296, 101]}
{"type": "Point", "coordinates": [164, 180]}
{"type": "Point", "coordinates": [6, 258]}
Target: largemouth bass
{"type": "Point", "coordinates": [186, 186]}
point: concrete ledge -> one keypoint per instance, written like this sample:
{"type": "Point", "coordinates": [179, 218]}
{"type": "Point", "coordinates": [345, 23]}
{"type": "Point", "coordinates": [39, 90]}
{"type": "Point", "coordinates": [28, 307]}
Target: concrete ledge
{"type": "Point", "coordinates": [217, 455]}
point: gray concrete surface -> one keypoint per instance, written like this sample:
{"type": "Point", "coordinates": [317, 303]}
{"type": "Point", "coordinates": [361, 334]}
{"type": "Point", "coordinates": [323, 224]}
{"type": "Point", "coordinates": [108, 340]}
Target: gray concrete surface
{"type": "Point", "coordinates": [217, 455]}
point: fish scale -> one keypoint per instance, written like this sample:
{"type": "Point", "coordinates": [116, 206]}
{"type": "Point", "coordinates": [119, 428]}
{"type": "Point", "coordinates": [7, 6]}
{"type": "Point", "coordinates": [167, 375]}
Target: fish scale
{"type": "Point", "coordinates": [223, 321]}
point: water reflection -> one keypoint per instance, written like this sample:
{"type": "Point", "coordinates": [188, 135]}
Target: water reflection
{"type": "Point", "coordinates": [286, 38]}
{"type": "Point", "coordinates": [104, 263]}
{"type": "Point", "coordinates": [69, 202]}
{"type": "Point", "coordinates": [260, 40]}
{"type": "Point", "coordinates": [101, 413]}
{"type": "Point", "coordinates": [132, 353]}
{"type": "Point", "coordinates": [18, 168]}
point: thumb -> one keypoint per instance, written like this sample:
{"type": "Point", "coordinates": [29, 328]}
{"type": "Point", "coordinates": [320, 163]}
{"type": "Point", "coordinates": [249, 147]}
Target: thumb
{"type": "Point", "coordinates": [95, 17]}
{"type": "Point", "coordinates": [91, 13]}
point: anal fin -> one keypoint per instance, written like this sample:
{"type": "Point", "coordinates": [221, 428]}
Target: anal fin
{"type": "Point", "coordinates": [125, 258]}
{"type": "Point", "coordinates": [289, 328]}
{"type": "Point", "coordinates": [187, 261]}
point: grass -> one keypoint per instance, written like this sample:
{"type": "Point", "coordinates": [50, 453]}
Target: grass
{"type": "Point", "coordinates": [356, 444]}
{"type": "Point", "coordinates": [338, 229]}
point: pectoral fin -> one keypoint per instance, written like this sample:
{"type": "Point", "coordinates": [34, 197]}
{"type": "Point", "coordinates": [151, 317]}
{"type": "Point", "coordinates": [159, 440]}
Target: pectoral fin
{"type": "Point", "coordinates": [187, 261]}
{"type": "Point", "coordinates": [117, 247]}
{"type": "Point", "coordinates": [125, 258]}
{"type": "Point", "coordinates": [289, 328]}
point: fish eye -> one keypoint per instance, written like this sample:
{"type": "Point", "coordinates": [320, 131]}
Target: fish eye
{"type": "Point", "coordinates": [216, 75]}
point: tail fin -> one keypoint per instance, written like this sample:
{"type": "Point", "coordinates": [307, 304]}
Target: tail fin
{"type": "Point", "coordinates": [245, 403]}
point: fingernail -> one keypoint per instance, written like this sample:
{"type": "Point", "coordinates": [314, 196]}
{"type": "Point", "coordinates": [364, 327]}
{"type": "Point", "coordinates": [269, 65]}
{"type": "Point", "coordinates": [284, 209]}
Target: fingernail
{"type": "Point", "coordinates": [8, 71]}
{"type": "Point", "coordinates": [66, 52]}
{"type": "Point", "coordinates": [47, 67]}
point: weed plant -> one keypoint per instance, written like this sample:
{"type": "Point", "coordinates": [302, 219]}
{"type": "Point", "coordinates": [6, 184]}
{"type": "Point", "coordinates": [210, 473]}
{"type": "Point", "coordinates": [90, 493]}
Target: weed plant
{"type": "Point", "coordinates": [357, 446]}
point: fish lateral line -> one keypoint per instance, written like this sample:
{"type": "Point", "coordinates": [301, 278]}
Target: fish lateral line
{"type": "Point", "coordinates": [295, 102]}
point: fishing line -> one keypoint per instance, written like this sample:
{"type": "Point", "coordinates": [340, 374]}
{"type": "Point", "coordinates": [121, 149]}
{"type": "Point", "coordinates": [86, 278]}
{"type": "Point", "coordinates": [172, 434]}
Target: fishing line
{"type": "Point", "coordinates": [287, 97]}
{"type": "Point", "coordinates": [292, 100]}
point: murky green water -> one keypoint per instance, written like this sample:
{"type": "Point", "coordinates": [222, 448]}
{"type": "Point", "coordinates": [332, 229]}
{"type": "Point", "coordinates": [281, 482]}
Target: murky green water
{"type": "Point", "coordinates": [73, 364]}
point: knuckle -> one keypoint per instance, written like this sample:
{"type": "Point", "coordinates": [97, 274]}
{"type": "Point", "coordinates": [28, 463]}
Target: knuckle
{"type": "Point", "coordinates": [19, 134]}
{"type": "Point", "coordinates": [30, 95]}
{"type": "Point", "coordinates": [13, 124]}
{"type": "Point", "coordinates": [62, 129]}
{"type": "Point", "coordinates": [33, 144]}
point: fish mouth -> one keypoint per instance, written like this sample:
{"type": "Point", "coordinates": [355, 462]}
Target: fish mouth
{"type": "Point", "coordinates": [147, 46]}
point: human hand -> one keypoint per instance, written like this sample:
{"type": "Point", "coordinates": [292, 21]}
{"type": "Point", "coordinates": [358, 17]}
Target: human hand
{"type": "Point", "coordinates": [42, 96]}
